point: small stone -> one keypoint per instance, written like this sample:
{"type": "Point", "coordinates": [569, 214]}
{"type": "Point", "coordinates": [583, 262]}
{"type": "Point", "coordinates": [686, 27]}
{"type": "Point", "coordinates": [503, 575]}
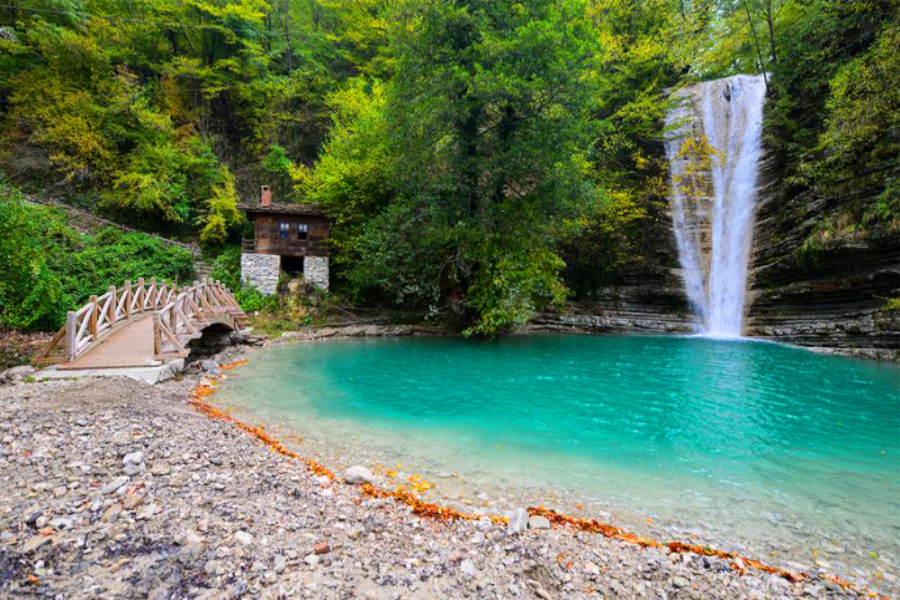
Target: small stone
{"type": "Point", "coordinates": [209, 365]}
{"type": "Point", "coordinates": [538, 522]}
{"type": "Point", "coordinates": [216, 460]}
{"type": "Point", "coordinates": [832, 587]}
{"type": "Point", "coordinates": [192, 550]}
{"type": "Point", "coordinates": [133, 458]}
{"type": "Point", "coordinates": [188, 536]}
{"type": "Point", "coordinates": [358, 475]}
{"type": "Point", "coordinates": [147, 512]}
{"type": "Point", "coordinates": [113, 485]}
{"type": "Point", "coordinates": [111, 514]}
{"type": "Point", "coordinates": [467, 568]}
{"type": "Point", "coordinates": [35, 543]}
{"type": "Point", "coordinates": [322, 548]}
{"type": "Point", "coordinates": [161, 469]}
{"type": "Point", "coordinates": [813, 590]}
{"type": "Point", "coordinates": [32, 514]}
{"type": "Point", "coordinates": [61, 523]}
{"type": "Point", "coordinates": [133, 500]}
{"type": "Point", "coordinates": [312, 560]}
{"type": "Point", "coordinates": [591, 569]}
{"type": "Point", "coordinates": [518, 522]}
{"type": "Point", "coordinates": [212, 567]}
{"type": "Point", "coordinates": [680, 582]}
{"type": "Point", "coordinates": [244, 538]}
{"type": "Point", "coordinates": [280, 564]}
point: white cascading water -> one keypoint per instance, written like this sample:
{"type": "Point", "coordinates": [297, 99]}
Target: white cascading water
{"type": "Point", "coordinates": [714, 230]}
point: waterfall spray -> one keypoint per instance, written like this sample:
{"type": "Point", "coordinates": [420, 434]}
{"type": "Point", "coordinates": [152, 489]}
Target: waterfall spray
{"type": "Point", "coordinates": [713, 193]}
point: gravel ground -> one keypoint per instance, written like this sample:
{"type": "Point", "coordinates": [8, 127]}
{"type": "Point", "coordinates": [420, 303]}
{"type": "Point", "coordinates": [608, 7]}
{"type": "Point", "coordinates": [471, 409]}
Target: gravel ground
{"type": "Point", "coordinates": [110, 488]}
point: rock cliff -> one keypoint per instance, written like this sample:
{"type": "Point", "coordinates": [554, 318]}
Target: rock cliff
{"type": "Point", "coordinates": [832, 294]}
{"type": "Point", "coordinates": [648, 297]}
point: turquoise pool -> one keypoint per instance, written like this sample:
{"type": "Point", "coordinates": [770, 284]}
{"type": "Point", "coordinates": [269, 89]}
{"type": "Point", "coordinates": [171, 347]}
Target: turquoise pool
{"type": "Point", "coordinates": [755, 446]}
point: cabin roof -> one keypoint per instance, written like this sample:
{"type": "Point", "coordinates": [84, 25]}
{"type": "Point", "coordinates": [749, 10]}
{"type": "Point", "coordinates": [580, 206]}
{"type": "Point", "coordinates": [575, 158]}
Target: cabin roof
{"type": "Point", "coordinates": [283, 208]}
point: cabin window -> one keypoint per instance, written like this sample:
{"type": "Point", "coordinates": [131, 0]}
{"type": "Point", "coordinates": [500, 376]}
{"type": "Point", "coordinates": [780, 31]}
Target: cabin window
{"type": "Point", "coordinates": [302, 231]}
{"type": "Point", "coordinates": [284, 230]}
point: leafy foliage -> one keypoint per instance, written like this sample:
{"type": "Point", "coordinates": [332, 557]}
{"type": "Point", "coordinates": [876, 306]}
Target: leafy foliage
{"type": "Point", "coordinates": [51, 269]}
{"type": "Point", "coordinates": [492, 103]}
{"type": "Point", "coordinates": [480, 159]}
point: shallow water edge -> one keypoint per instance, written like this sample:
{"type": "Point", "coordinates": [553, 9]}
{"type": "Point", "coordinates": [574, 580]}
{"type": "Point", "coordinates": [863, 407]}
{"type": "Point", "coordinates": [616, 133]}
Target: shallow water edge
{"type": "Point", "coordinates": [463, 482]}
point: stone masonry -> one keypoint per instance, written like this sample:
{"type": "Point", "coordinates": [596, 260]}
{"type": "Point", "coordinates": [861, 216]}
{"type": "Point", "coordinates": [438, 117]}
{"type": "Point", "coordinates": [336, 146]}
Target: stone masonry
{"type": "Point", "coordinates": [261, 271]}
{"type": "Point", "coordinates": [315, 270]}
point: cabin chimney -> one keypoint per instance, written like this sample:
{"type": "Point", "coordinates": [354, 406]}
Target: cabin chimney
{"type": "Point", "coordinates": [265, 198]}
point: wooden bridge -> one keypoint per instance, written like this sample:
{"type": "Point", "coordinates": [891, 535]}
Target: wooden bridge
{"type": "Point", "coordinates": [141, 325]}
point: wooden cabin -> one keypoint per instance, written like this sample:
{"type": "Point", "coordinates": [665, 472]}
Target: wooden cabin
{"type": "Point", "coordinates": [287, 237]}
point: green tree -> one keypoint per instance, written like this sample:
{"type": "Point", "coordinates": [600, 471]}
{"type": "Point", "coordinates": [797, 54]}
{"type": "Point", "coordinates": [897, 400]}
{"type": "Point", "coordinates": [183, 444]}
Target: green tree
{"type": "Point", "coordinates": [489, 118]}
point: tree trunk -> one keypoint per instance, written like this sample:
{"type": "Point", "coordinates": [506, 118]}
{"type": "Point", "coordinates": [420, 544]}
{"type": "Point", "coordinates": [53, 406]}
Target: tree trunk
{"type": "Point", "coordinates": [762, 64]}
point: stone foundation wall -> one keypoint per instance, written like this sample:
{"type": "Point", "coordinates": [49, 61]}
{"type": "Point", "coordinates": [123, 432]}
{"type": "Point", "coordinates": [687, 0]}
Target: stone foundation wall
{"type": "Point", "coordinates": [261, 271]}
{"type": "Point", "coordinates": [315, 270]}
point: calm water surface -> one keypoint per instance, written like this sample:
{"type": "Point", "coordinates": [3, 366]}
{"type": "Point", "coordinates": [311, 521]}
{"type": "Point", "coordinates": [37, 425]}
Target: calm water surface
{"type": "Point", "coordinates": [774, 449]}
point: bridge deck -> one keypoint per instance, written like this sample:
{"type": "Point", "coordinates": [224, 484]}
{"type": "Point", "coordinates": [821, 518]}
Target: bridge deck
{"type": "Point", "coordinates": [131, 346]}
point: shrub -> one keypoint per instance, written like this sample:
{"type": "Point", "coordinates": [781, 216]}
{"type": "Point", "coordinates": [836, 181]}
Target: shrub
{"type": "Point", "coordinates": [49, 268]}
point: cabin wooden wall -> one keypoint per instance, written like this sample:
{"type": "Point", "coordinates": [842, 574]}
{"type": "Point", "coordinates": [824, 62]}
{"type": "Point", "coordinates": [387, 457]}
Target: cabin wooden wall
{"type": "Point", "coordinates": [268, 242]}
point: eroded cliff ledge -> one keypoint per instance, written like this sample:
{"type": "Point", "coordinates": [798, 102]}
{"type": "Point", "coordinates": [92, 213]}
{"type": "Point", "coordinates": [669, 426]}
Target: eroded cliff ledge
{"type": "Point", "coordinates": [817, 282]}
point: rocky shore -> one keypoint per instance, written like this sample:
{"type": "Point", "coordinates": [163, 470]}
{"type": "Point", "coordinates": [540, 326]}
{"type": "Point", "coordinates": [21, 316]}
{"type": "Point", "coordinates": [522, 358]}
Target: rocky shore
{"type": "Point", "coordinates": [110, 488]}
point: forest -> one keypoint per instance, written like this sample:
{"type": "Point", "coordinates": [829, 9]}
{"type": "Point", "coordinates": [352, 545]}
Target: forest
{"type": "Point", "coordinates": [480, 159]}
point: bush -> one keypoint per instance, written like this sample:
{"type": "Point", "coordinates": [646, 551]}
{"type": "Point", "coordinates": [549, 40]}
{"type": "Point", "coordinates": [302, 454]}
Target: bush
{"type": "Point", "coordinates": [227, 268]}
{"type": "Point", "coordinates": [252, 300]}
{"type": "Point", "coordinates": [113, 256]}
{"type": "Point", "coordinates": [49, 268]}
{"type": "Point", "coordinates": [32, 295]}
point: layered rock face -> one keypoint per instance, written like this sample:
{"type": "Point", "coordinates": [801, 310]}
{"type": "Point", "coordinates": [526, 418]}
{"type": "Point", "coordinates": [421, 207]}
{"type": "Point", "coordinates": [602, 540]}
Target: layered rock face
{"type": "Point", "coordinates": [836, 300]}
{"type": "Point", "coordinates": [648, 298]}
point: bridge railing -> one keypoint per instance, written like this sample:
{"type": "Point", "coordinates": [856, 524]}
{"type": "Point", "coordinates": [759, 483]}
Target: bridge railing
{"type": "Point", "coordinates": [190, 311]}
{"type": "Point", "coordinates": [104, 314]}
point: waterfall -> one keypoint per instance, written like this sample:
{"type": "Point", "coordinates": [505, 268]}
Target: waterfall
{"type": "Point", "coordinates": [714, 148]}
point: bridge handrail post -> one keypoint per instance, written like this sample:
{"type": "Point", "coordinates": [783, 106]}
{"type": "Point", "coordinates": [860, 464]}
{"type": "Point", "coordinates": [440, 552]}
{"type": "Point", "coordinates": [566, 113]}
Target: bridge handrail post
{"type": "Point", "coordinates": [71, 333]}
{"type": "Point", "coordinates": [95, 309]}
{"type": "Point", "coordinates": [128, 299]}
{"type": "Point", "coordinates": [157, 336]}
{"type": "Point", "coordinates": [151, 291]}
{"type": "Point", "coordinates": [111, 311]}
{"type": "Point", "coordinates": [140, 295]}
{"type": "Point", "coordinates": [173, 321]}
